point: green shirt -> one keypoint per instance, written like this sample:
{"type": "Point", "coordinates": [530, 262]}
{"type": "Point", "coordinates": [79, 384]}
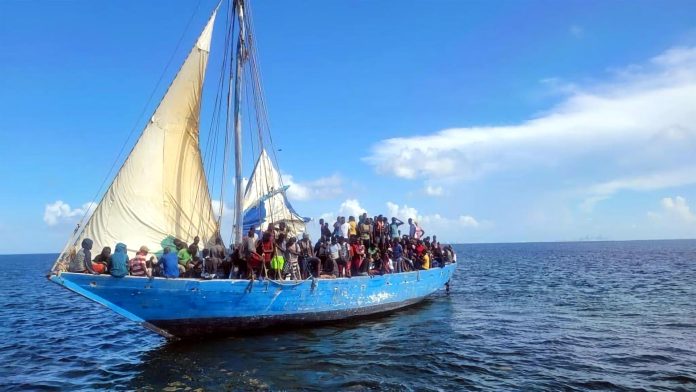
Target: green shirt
{"type": "Point", "coordinates": [184, 256]}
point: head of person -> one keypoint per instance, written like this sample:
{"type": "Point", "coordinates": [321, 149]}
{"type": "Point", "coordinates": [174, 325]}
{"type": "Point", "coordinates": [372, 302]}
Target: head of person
{"type": "Point", "coordinates": [410, 221]}
{"type": "Point", "coordinates": [321, 222]}
{"type": "Point", "coordinates": [291, 241]}
{"type": "Point", "coordinates": [266, 236]}
{"type": "Point", "coordinates": [196, 240]}
{"type": "Point", "coordinates": [333, 241]}
{"type": "Point", "coordinates": [351, 219]}
{"type": "Point", "coordinates": [281, 225]}
{"type": "Point", "coordinates": [120, 248]}
{"type": "Point", "coordinates": [144, 250]}
{"type": "Point", "coordinates": [106, 251]}
{"type": "Point", "coordinates": [305, 236]}
{"type": "Point", "coordinates": [87, 244]}
{"type": "Point", "coordinates": [206, 252]}
{"type": "Point", "coordinates": [167, 250]}
{"type": "Point", "coordinates": [178, 243]}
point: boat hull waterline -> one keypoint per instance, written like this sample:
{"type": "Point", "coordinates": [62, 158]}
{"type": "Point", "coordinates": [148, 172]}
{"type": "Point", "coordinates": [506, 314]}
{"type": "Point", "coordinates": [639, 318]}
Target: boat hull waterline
{"type": "Point", "coordinates": [185, 308]}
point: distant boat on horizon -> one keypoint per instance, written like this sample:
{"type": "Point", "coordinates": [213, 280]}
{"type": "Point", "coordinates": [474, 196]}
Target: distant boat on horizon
{"type": "Point", "coordinates": [161, 192]}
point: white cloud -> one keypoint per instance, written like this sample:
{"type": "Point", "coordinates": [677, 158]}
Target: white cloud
{"type": "Point", "coordinates": [468, 221]}
{"type": "Point", "coordinates": [351, 207]}
{"type": "Point", "coordinates": [436, 221]}
{"type": "Point", "coordinates": [59, 212]}
{"type": "Point", "coordinates": [322, 188]}
{"type": "Point", "coordinates": [431, 190]}
{"type": "Point", "coordinates": [227, 210]}
{"type": "Point", "coordinates": [674, 210]}
{"type": "Point", "coordinates": [403, 213]}
{"type": "Point", "coordinates": [642, 119]}
{"type": "Point", "coordinates": [647, 182]}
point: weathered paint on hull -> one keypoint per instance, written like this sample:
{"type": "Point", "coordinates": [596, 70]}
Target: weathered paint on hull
{"type": "Point", "coordinates": [231, 325]}
{"type": "Point", "coordinates": [192, 307]}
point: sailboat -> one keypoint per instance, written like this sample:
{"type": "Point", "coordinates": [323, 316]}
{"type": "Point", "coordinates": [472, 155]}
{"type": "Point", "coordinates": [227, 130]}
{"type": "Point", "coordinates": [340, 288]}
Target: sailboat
{"type": "Point", "coordinates": [161, 192]}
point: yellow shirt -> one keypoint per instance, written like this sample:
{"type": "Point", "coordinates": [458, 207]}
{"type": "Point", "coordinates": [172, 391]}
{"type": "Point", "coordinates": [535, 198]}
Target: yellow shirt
{"type": "Point", "coordinates": [353, 228]}
{"type": "Point", "coordinates": [426, 261]}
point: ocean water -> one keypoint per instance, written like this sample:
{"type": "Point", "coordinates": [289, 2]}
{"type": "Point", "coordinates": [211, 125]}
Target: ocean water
{"type": "Point", "coordinates": [552, 316]}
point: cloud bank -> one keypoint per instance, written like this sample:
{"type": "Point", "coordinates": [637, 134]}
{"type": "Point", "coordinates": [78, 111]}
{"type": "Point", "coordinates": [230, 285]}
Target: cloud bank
{"type": "Point", "coordinates": [322, 188]}
{"type": "Point", "coordinates": [643, 119]}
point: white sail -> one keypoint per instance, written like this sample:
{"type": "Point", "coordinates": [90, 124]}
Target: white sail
{"type": "Point", "coordinates": [161, 190]}
{"type": "Point", "coordinates": [265, 201]}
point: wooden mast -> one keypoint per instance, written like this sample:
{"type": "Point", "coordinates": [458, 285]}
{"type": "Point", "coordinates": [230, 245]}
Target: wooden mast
{"type": "Point", "coordinates": [241, 57]}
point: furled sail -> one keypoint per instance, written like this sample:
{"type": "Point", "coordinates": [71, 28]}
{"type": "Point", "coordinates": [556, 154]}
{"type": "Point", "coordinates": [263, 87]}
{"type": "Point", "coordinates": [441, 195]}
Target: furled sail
{"type": "Point", "coordinates": [265, 201]}
{"type": "Point", "coordinates": [161, 190]}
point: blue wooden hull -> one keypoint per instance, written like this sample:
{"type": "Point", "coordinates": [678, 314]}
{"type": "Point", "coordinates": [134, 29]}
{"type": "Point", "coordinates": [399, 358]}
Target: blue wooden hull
{"type": "Point", "coordinates": [191, 307]}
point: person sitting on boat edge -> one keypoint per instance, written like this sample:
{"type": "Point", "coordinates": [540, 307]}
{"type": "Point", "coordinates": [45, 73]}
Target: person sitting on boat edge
{"type": "Point", "coordinates": [101, 262]}
{"type": "Point", "coordinates": [118, 262]}
{"type": "Point", "coordinates": [137, 266]}
{"type": "Point", "coordinates": [170, 263]}
{"type": "Point", "coordinates": [82, 262]}
{"type": "Point", "coordinates": [185, 259]}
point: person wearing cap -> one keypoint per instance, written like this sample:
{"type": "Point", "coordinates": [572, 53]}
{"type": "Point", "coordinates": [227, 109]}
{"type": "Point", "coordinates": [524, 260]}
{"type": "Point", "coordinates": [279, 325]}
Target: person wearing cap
{"type": "Point", "coordinates": [137, 266]}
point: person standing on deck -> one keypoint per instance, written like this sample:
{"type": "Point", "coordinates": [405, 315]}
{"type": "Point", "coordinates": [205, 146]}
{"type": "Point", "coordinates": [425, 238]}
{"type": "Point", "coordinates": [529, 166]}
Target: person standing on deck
{"type": "Point", "coordinates": [218, 253]}
{"type": "Point", "coordinates": [292, 254]}
{"type": "Point", "coordinates": [345, 227]}
{"type": "Point", "coordinates": [419, 233]}
{"type": "Point", "coordinates": [411, 228]}
{"type": "Point", "coordinates": [358, 256]}
{"type": "Point", "coordinates": [343, 257]}
{"type": "Point", "coordinates": [306, 252]}
{"type": "Point", "coordinates": [394, 228]}
{"type": "Point", "coordinates": [325, 231]}
{"type": "Point", "coordinates": [337, 227]}
{"type": "Point", "coordinates": [365, 230]}
{"type": "Point", "coordinates": [334, 256]}
{"type": "Point", "coordinates": [352, 227]}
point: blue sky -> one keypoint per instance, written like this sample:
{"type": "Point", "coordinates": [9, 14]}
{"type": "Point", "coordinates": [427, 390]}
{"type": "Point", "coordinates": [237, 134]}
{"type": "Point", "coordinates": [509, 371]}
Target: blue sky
{"type": "Point", "coordinates": [487, 121]}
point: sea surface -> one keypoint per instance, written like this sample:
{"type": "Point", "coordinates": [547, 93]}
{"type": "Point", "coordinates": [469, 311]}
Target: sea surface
{"type": "Point", "coordinates": [545, 316]}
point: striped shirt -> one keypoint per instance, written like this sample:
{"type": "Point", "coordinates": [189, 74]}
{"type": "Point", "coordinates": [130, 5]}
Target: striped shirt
{"type": "Point", "coordinates": [138, 264]}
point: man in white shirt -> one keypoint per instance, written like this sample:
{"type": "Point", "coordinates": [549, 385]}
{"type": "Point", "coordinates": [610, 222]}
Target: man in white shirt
{"type": "Point", "coordinates": [345, 227]}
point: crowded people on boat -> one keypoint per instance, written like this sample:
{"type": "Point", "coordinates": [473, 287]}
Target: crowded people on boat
{"type": "Point", "coordinates": [362, 247]}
